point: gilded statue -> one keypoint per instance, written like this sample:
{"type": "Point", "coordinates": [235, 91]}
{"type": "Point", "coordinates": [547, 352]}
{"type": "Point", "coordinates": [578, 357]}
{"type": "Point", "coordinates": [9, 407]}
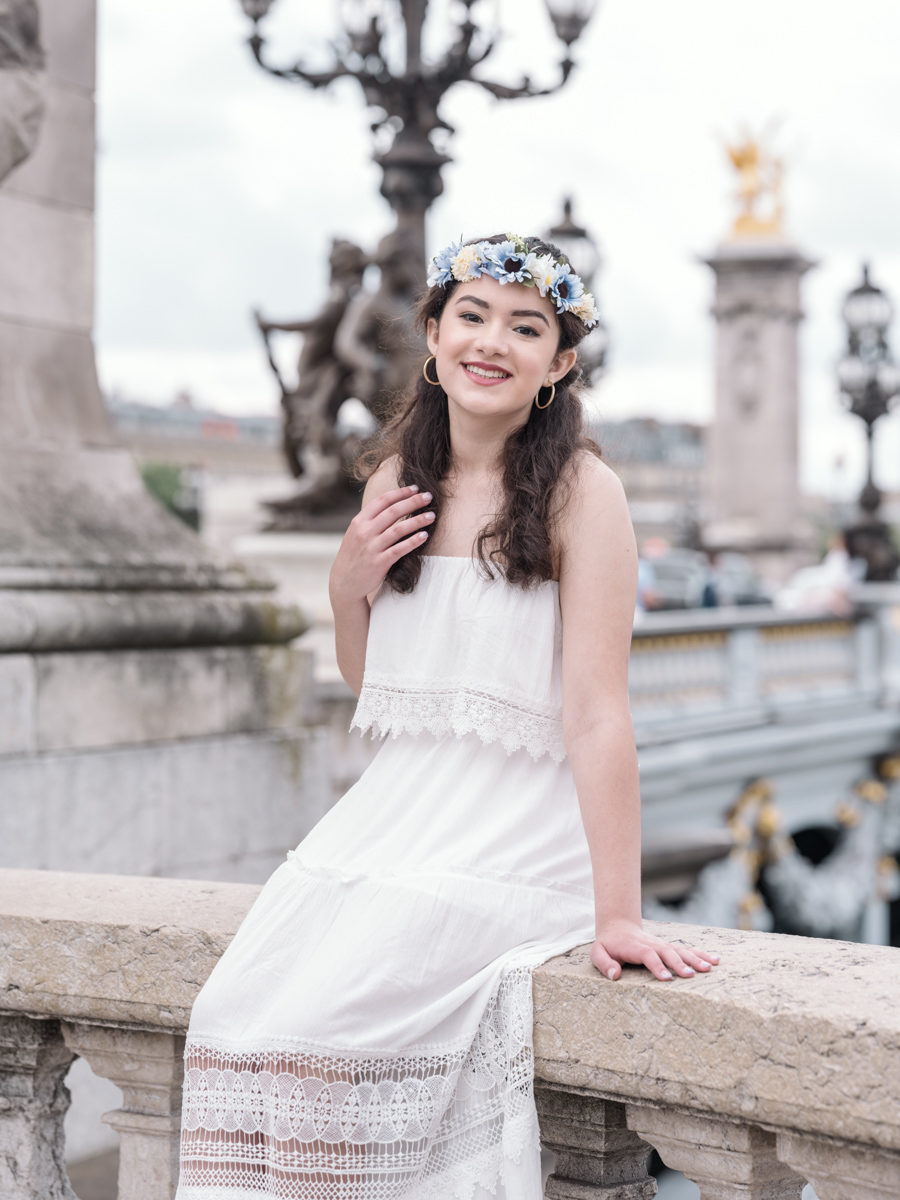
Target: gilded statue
{"type": "Point", "coordinates": [759, 190]}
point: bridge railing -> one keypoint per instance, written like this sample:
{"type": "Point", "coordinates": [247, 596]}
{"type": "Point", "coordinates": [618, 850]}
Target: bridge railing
{"type": "Point", "coordinates": [781, 1066]}
{"type": "Point", "coordinates": [733, 667]}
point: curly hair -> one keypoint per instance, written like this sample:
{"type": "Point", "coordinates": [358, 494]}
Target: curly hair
{"type": "Point", "coordinates": [533, 463]}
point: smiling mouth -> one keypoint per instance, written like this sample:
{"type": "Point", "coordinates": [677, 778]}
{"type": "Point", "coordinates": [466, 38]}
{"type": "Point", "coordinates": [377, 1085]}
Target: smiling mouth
{"type": "Point", "coordinates": [488, 373]}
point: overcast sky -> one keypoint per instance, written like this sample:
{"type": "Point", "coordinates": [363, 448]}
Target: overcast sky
{"type": "Point", "coordinates": [219, 187]}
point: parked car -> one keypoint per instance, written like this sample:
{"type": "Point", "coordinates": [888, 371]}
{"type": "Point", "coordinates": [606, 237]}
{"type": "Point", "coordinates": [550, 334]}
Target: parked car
{"type": "Point", "coordinates": [687, 579]}
{"type": "Point", "coordinates": [736, 582]}
{"type": "Point", "coordinates": [680, 577]}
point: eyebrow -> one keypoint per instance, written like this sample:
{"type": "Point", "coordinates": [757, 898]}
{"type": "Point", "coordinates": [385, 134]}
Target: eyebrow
{"type": "Point", "coordinates": [519, 312]}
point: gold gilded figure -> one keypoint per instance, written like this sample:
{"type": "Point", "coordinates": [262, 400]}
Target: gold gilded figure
{"type": "Point", "coordinates": [759, 190]}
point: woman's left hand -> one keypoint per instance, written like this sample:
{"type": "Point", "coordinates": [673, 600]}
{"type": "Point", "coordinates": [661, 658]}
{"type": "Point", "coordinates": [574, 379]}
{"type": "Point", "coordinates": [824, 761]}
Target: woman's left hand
{"type": "Point", "coordinates": [626, 942]}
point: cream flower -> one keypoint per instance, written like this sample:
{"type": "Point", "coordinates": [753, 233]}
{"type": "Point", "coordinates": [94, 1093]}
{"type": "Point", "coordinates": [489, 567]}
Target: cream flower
{"type": "Point", "coordinates": [586, 309]}
{"type": "Point", "coordinates": [466, 264]}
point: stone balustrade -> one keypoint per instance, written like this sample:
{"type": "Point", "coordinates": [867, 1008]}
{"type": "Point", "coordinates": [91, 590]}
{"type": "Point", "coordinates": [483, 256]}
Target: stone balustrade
{"type": "Point", "coordinates": [781, 1066]}
{"type": "Point", "coordinates": [724, 668]}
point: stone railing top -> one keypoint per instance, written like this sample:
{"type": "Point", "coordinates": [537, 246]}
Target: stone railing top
{"type": "Point", "coordinates": [115, 949]}
{"type": "Point", "coordinates": [791, 1032]}
{"type": "Point", "coordinates": [707, 620]}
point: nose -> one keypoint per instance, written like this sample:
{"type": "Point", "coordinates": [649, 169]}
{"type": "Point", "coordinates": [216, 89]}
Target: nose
{"type": "Point", "coordinates": [492, 340]}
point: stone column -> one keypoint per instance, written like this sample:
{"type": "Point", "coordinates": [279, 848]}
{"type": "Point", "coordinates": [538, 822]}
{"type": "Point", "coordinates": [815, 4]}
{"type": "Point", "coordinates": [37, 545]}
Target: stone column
{"type": "Point", "coordinates": [149, 1068]}
{"type": "Point", "coordinates": [753, 492]}
{"type": "Point", "coordinates": [597, 1155]}
{"type": "Point", "coordinates": [34, 1060]}
{"type": "Point", "coordinates": [107, 601]}
{"type": "Point", "coordinates": [727, 1161]}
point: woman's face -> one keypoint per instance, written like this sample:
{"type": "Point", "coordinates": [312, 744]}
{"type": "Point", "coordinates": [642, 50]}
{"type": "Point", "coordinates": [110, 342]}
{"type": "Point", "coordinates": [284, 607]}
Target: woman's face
{"type": "Point", "coordinates": [495, 346]}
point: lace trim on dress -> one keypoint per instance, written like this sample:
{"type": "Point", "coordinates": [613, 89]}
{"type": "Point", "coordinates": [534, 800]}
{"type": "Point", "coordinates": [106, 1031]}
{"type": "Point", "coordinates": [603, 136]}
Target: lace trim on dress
{"type": "Point", "coordinates": [313, 1126]}
{"type": "Point", "coordinates": [391, 706]}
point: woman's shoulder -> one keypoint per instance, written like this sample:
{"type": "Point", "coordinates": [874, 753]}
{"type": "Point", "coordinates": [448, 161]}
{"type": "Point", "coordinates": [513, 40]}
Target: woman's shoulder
{"type": "Point", "coordinates": [591, 484]}
{"type": "Point", "coordinates": [594, 501]}
{"type": "Point", "coordinates": [383, 479]}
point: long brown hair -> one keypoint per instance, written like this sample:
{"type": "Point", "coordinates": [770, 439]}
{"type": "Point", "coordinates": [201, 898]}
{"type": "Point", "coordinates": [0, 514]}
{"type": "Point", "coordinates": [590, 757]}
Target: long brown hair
{"type": "Point", "coordinates": [533, 462]}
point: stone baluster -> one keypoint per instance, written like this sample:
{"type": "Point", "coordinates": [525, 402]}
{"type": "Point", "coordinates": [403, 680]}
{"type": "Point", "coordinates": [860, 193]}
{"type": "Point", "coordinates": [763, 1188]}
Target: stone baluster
{"type": "Point", "coordinates": [596, 1153]}
{"type": "Point", "coordinates": [842, 1171]}
{"type": "Point", "coordinates": [149, 1069]}
{"type": "Point", "coordinates": [726, 1160]}
{"type": "Point", "coordinates": [34, 1060]}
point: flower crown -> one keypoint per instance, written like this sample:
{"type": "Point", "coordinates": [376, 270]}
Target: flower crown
{"type": "Point", "coordinates": [512, 262]}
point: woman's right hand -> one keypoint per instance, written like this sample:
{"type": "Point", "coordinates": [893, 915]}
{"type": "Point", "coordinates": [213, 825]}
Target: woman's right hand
{"type": "Point", "coordinates": [382, 532]}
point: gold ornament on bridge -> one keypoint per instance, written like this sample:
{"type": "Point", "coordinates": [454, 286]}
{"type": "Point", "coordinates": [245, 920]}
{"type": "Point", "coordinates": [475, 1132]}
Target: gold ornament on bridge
{"type": "Point", "coordinates": [760, 173]}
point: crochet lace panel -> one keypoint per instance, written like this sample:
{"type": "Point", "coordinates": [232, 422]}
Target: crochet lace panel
{"type": "Point", "coordinates": [299, 1124]}
{"type": "Point", "coordinates": [388, 705]}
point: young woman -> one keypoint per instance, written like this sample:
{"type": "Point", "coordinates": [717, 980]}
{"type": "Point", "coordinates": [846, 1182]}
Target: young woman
{"type": "Point", "coordinates": [367, 1035]}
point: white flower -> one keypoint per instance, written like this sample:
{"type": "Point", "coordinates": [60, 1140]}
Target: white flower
{"type": "Point", "coordinates": [467, 263]}
{"type": "Point", "coordinates": [542, 268]}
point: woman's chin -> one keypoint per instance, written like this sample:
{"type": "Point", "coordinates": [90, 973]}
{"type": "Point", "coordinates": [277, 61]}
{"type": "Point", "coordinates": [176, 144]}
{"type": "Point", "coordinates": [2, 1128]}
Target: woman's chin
{"type": "Point", "coordinates": [487, 402]}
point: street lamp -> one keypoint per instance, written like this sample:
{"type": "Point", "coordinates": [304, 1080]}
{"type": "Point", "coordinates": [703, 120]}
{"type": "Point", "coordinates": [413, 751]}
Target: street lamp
{"type": "Point", "coordinates": [409, 97]}
{"type": "Point", "coordinates": [869, 380]}
{"type": "Point", "coordinates": [582, 251]}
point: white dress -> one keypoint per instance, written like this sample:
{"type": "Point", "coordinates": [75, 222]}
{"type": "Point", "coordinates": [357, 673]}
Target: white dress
{"type": "Point", "coordinates": [367, 1034]}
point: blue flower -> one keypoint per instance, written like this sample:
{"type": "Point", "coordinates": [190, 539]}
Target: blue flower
{"type": "Point", "coordinates": [566, 288]}
{"type": "Point", "coordinates": [441, 266]}
{"type": "Point", "coordinates": [505, 263]}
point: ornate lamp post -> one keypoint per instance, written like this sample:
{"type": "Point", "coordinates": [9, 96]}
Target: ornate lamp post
{"type": "Point", "coordinates": [409, 98]}
{"type": "Point", "coordinates": [869, 380]}
{"type": "Point", "coordinates": [583, 253]}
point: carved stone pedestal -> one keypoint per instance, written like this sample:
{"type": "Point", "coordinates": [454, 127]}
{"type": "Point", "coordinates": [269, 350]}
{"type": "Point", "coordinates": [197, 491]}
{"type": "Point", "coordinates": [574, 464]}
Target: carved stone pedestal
{"type": "Point", "coordinates": [725, 1160]}
{"type": "Point", "coordinates": [597, 1156]}
{"type": "Point", "coordinates": [34, 1060]}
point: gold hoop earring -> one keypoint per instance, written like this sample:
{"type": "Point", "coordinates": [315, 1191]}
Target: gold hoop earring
{"type": "Point", "coordinates": [433, 382]}
{"type": "Point", "coordinates": [537, 399]}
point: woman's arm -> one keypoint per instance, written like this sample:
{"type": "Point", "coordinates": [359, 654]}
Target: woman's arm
{"type": "Point", "coordinates": [598, 581]}
{"type": "Point", "coordinates": [377, 537]}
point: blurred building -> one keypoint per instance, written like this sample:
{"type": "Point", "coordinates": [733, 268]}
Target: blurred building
{"type": "Point", "coordinates": [662, 467]}
{"type": "Point", "coordinates": [228, 466]}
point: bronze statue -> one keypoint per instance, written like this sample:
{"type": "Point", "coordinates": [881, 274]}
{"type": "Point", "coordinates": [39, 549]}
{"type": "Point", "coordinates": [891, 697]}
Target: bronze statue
{"type": "Point", "coordinates": [361, 344]}
{"type": "Point", "coordinates": [376, 338]}
{"type": "Point", "coordinates": [21, 82]}
{"type": "Point", "coordinates": [313, 447]}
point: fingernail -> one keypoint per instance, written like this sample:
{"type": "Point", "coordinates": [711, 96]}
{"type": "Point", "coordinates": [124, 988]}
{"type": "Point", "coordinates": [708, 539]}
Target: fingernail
{"type": "Point", "coordinates": [611, 973]}
{"type": "Point", "coordinates": [691, 971]}
{"type": "Point", "coordinates": [429, 516]}
{"type": "Point", "coordinates": [413, 487]}
{"type": "Point", "coordinates": [423, 535]}
{"type": "Point", "coordinates": [666, 975]}
{"type": "Point", "coordinates": [715, 957]}
{"type": "Point", "coordinates": [426, 495]}
{"type": "Point", "coordinates": [703, 967]}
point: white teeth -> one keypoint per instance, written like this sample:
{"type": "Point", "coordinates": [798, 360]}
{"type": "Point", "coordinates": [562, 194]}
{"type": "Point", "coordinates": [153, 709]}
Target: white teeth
{"type": "Point", "coordinates": [487, 374]}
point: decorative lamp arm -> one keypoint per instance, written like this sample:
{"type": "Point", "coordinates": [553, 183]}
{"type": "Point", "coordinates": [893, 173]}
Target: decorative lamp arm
{"type": "Point", "coordinates": [526, 89]}
{"type": "Point", "coordinates": [315, 79]}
